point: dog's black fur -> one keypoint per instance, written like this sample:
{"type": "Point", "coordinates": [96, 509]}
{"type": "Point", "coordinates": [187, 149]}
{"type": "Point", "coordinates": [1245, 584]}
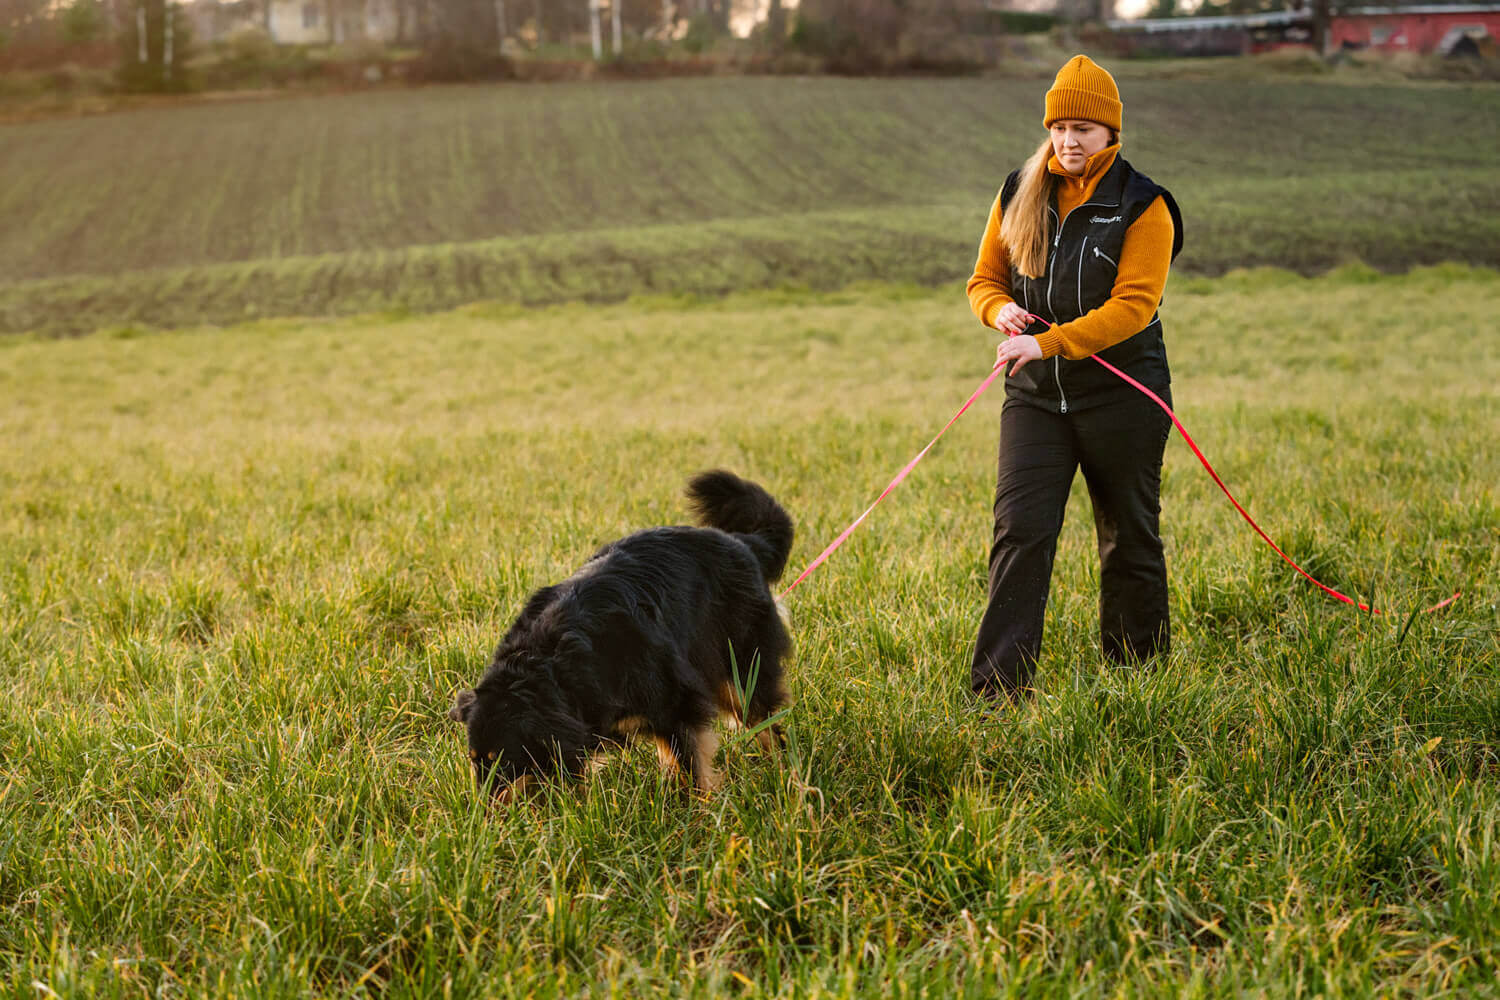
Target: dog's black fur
{"type": "Point", "coordinates": [654, 637]}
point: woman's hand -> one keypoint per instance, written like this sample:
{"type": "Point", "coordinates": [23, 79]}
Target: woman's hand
{"type": "Point", "coordinates": [1012, 319]}
{"type": "Point", "coordinates": [1018, 349]}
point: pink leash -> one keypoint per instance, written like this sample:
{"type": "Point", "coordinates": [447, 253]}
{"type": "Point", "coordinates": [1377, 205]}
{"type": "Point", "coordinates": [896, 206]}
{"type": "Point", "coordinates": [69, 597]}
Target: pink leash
{"type": "Point", "coordinates": [823, 556]}
{"type": "Point", "coordinates": [994, 372]}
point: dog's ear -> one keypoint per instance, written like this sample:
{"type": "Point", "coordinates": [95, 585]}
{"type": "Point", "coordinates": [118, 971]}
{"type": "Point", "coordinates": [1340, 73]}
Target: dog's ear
{"type": "Point", "coordinates": [461, 706]}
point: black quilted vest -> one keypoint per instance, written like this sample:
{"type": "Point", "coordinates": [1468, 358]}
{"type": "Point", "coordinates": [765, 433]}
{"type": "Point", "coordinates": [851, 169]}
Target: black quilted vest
{"type": "Point", "coordinates": [1080, 276]}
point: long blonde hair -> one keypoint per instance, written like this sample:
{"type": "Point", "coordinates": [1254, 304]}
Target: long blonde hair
{"type": "Point", "coordinates": [1023, 227]}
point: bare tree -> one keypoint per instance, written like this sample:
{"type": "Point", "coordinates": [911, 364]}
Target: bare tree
{"type": "Point", "coordinates": [776, 24]}
{"type": "Point", "coordinates": [718, 14]}
{"type": "Point", "coordinates": [1086, 10]}
{"type": "Point", "coordinates": [154, 46]}
{"type": "Point", "coordinates": [1322, 14]}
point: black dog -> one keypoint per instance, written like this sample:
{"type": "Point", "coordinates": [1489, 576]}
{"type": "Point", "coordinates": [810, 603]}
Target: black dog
{"type": "Point", "coordinates": [653, 638]}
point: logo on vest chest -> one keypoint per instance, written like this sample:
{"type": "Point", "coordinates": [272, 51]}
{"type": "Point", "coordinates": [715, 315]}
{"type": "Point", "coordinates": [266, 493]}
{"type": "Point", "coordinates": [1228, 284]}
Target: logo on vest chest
{"type": "Point", "coordinates": [1099, 219]}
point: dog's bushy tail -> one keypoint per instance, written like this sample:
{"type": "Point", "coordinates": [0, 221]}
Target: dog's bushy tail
{"type": "Point", "coordinates": [725, 501]}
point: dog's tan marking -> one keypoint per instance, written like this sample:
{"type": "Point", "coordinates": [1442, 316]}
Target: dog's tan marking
{"type": "Point", "coordinates": [520, 787]}
{"type": "Point", "coordinates": [705, 745]}
{"type": "Point", "coordinates": [632, 726]}
{"type": "Point", "coordinates": [729, 702]}
{"type": "Point", "coordinates": [665, 757]}
{"type": "Point", "coordinates": [493, 754]}
{"type": "Point", "coordinates": [734, 710]}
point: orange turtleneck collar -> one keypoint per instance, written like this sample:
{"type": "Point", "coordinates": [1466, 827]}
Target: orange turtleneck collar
{"type": "Point", "coordinates": [1074, 190]}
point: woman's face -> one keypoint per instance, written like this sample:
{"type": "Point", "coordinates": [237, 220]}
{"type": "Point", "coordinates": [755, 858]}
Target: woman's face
{"type": "Point", "coordinates": [1074, 140]}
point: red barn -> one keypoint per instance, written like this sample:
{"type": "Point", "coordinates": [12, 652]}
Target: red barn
{"type": "Point", "coordinates": [1448, 29]}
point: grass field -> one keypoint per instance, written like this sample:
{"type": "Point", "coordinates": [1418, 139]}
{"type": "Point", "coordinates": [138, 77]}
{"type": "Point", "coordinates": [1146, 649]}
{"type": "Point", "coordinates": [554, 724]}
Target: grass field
{"type": "Point", "coordinates": [427, 199]}
{"type": "Point", "coordinates": [243, 571]}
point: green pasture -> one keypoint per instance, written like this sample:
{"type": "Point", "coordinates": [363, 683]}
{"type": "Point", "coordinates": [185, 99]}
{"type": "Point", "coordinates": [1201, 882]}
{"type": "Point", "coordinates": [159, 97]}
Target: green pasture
{"type": "Point", "coordinates": [244, 569]}
{"type": "Point", "coordinates": [427, 199]}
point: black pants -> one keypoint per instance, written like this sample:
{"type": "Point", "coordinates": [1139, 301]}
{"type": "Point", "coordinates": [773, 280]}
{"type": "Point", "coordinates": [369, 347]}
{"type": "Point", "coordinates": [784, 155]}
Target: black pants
{"type": "Point", "coordinates": [1119, 446]}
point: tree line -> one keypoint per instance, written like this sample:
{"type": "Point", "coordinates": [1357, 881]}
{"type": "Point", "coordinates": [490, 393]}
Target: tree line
{"type": "Point", "coordinates": [474, 38]}
{"type": "Point", "coordinates": [462, 39]}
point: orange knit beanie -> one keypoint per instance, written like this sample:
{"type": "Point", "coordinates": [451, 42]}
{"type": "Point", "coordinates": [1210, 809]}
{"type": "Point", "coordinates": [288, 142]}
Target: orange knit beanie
{"type": "Point", "coordinates": [1084, 89]}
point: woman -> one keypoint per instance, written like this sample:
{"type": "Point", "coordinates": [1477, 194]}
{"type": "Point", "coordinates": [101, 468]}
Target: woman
{"type": "Point", "coordinates": [1080, 238]}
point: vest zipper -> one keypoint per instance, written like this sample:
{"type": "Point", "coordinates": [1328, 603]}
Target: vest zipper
{"type": "Point", "coordinates": [1062, 396]}
{"type": "Point", "coordinates": [1082, 253]}
{"type": "Point", "coordinates": [1052, 258]}
{"type": "Point", "coordinates": [1101, 253]}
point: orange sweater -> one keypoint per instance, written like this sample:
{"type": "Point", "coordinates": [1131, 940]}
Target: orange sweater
{"type": "Point", "coordinates": [1144, 260]}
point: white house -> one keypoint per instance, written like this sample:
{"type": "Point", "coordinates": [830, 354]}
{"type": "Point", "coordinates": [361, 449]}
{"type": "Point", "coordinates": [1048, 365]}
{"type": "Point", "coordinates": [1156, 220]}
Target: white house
{"type": "Point", "coordinates": [319, 22]}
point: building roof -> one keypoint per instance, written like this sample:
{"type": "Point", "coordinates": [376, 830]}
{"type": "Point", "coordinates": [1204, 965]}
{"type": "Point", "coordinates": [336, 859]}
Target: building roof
{"type": "Point", "coordinates": [1266, 19]}
{"type": "Point", "coordinates": [1260, 20]}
